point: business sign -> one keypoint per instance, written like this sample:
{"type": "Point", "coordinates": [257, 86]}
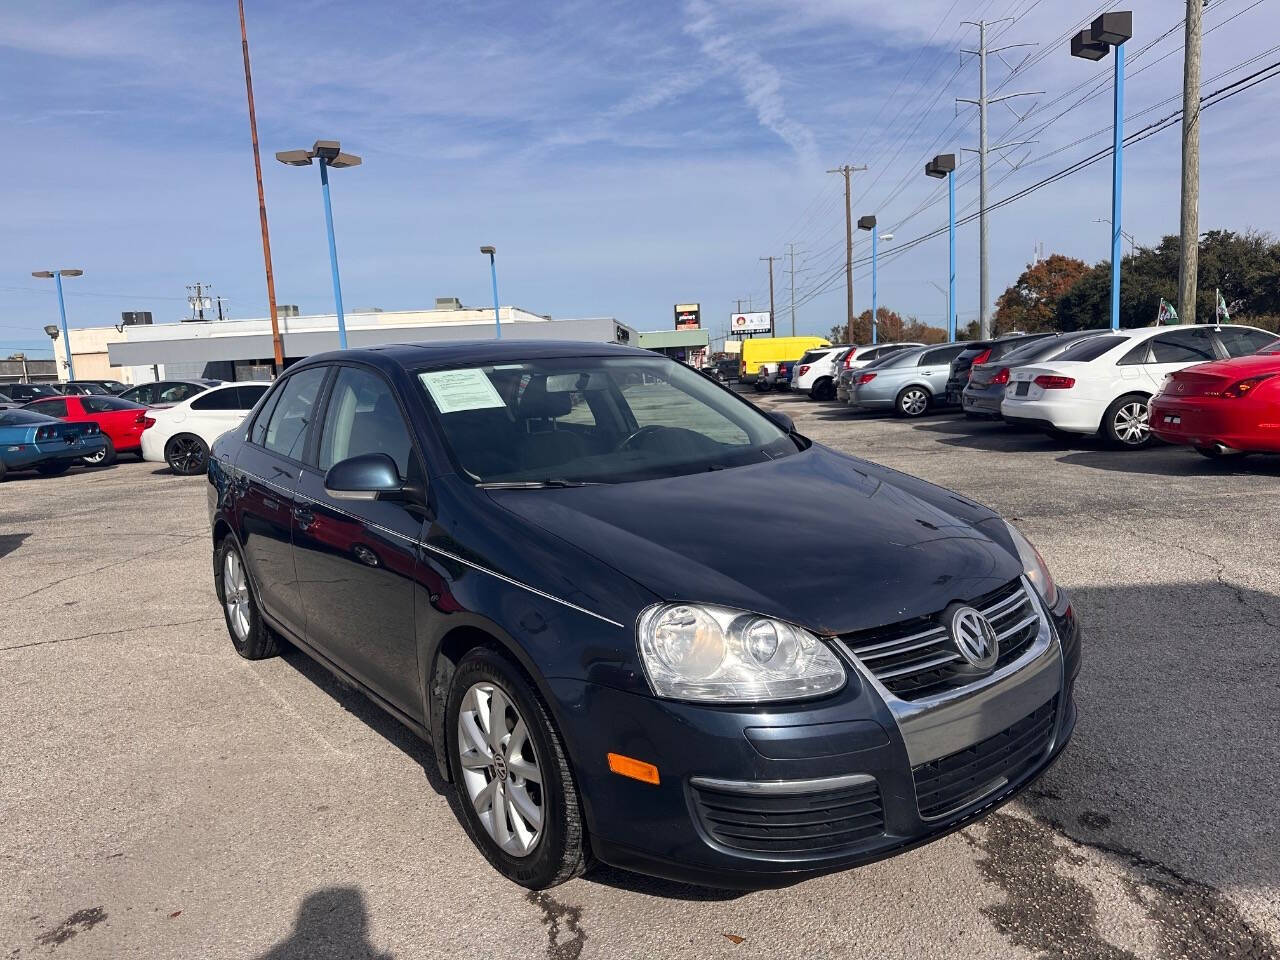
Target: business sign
{"type": "Point", "coordinates": [688, 316]}
{"type": "Point", "coordinates": [750, 323]}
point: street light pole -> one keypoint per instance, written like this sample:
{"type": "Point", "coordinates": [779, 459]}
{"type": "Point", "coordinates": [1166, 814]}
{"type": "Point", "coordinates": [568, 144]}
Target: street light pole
{"type": "Point", "coordinates": [944, 165]}
{"type": "Point", "coordinates": [329, 153]}
{"type": "Point", "coordinates": [493, 275]}
{"type": "Point", "coordinates": [869, 223]}
{"type": "Point", "coordinates": [1108, 31]}
{"type": "Point", "coordinates": [57, 276]}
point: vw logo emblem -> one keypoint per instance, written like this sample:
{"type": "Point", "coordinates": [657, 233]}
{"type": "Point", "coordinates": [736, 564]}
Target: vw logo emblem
{"type": "Point", "coordinates": [974, 637]}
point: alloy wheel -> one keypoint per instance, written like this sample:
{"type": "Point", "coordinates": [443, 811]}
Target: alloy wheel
{"type": "Point", "coordinates": [187, 455]}
{"type": "Point", "coordinates": [235, 592]}
{"type": "Point", "coordinates": [500, 769]}
{"type": "Point", "coordinates": [914, 403]}
{"type": "Point", "coordinates": [94, 459]}
{"type": "Point", "coordinates": [1132, 424]}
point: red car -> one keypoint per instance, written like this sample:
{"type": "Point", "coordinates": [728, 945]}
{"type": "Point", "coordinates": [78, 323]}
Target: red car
{"type": "Point", "coordinates": [1224, 407]}
{"type": "Point", "coordinates": [121, 421]}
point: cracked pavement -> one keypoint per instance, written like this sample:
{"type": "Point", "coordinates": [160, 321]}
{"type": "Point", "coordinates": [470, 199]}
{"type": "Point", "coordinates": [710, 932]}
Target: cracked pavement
{"type": "Point", "coordinates": [161, 798]}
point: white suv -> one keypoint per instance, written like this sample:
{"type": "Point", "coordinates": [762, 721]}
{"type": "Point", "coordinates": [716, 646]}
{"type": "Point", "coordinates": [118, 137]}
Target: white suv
{"type": "Point", "coordinates": [1102, 385]}
{"type": "Point", "coordinates": [815, 372]}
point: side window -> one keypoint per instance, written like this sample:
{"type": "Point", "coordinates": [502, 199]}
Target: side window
{"type": "Point", "coordinates": [53, 408]}
{"type": "Point", "coordinates": [945, 355]}
{"type": "Point", "coordinates": [259, 434]}
{"type": "Point", "coordinates": [1183, 346]}
{"type": "Point", "coordinates": [224, 399]}
{"type": "Point", "coordinates": [287, 424]}
{"type": "Point", "coordinates": [93, 404]}
{"type": "Point", "coordinates": [247, 396]}
{"type": "Point", "coordinates": [143, 394]}
{"type": "Point", "coordinates": [363, 417]}
{"type": "Point", "coordinates": [1241, 341]}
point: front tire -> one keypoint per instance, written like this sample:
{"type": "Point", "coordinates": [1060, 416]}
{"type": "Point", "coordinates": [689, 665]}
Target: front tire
{"type": "Point", "coordinates": [1127, 423]}
{"type": "Point", "coordinates": [252, 638]}
{"type": "Point", "coordinates": [104, 457]}
{"type": "Point", "coordinates": [516, 791]}
{"type": "Point", "coordinates": [912, 402]}
{"type": "Point", "coordinates": [186, 454]}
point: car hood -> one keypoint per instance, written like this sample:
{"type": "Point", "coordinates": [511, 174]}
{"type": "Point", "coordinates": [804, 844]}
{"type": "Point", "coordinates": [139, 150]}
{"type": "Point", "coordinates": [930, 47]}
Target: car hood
{"type": "Point", "coordinates": [816, 538]}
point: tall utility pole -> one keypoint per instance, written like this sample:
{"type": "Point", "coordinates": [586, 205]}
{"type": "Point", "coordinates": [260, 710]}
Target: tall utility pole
{"type": "Point", "coordinates": [197, 299]}
{"type": "Point", "coordinates": [770, 259]}
{"type": "Point", "coordinates": [983, 101]}
{"type": "Point", "coordinates": [791, 253]}
{"type": "Point", "coordinates": [276, 343]}
{"type": "Point", "coordinates": [848, 248]}
{"type": "Point", "coordinates": [1189, 252]}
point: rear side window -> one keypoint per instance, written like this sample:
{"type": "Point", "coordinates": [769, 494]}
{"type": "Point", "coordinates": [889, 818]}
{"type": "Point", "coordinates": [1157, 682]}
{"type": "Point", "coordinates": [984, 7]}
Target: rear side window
{"type": "Point", "coordinates": [249, 394]}
{"type": "Point", "coordinates": [1092, 348]}
{"type": "Point", "coordinates": [1192, 345]}
{"type": "Point", "coordinates": [1241, 341]}
{"type": "Point", "coordinates": [177, 392]}
{"type": "Point", "coordinates": [145, 393]}
{"type": "Point", "coordinates": [224, 399]}
{"type": "Point", "coordinates": [96, 404]}
{"type": "Point", "coordinates": [52, 408]}
{"type": "Point", "coordinates": [287, 424]}
{"type": "Point", "coordinates": [942, 355]}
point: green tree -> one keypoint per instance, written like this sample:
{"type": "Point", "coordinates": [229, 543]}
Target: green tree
{"type": "Point", "coordinates": [1030, 304]}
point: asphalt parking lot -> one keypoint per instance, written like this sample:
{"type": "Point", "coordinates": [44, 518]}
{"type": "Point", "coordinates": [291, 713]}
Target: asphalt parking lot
{"type": "Point", "coordinates": [160, 797]}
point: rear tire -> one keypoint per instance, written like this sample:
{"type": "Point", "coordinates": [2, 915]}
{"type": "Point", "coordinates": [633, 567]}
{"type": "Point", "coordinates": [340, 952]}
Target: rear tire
{"type": "Point", "coordinates": [511, 764]}
{"type": "Point", "coordinates": [53, 469]}
{"type": "Point", "coordinates": [912, 402]}
{"type": "Point", "coordinates": [252, 638]}
{"type": "Point", "coordinates": [1127, 423]}
{"type": "Point", "coordinates": [824, 389]}
{"type": "Point", "coordinates": [186, 454]}
{"type": "Point", "coordinates": [104, 458]}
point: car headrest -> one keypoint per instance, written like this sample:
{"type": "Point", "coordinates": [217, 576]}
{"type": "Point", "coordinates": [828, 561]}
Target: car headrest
{"type": "Point", "coordinates": [536, 402]}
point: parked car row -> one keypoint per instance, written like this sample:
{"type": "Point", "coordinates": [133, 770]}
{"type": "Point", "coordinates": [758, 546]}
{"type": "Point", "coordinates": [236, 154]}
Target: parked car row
{"type": "Point", "coordinates": [53, 432]}
{"type": "Point", "coordinates": [1213, 387]}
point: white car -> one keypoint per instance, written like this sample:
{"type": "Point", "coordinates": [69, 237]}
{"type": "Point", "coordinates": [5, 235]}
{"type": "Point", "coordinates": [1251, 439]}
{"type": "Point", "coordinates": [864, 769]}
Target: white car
{"type": "Point", "coordinates": [1102, 385]}
{"type": "Point", "coordinates": [180, 435]}
{"type": "Point", "coordinates": [815, 372]}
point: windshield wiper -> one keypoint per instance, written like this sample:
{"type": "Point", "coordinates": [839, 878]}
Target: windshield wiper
{"type": "Point", "coordinates": [548, 484]}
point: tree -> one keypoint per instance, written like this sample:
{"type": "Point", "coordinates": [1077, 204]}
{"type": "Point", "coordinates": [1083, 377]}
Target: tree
{"type": "Point", "coordinates": [1031, 303]}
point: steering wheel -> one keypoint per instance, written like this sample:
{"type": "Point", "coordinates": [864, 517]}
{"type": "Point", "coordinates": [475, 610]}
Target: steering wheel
{"type": "Point", "coordinates": [648, 431]}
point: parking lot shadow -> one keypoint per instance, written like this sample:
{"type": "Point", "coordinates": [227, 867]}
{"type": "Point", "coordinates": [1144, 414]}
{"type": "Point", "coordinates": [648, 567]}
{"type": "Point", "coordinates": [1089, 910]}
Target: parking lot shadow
{"type": "Point", "coordinates": [996, 437]}
{"type": "Point", "coordinates": [332, 924]}
{"type": "Point", "coordinates": [9, 542]}
{"type": "Point", "coordinates": [1161, 460]}
{"type": "Point", "coordinates": [1175, 755]}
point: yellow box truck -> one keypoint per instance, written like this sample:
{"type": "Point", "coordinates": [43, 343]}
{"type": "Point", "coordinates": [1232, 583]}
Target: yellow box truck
{"type": "Point", "coordinates": [761, 357]}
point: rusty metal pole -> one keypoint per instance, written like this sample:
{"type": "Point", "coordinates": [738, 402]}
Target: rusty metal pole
{"type": "Point", "coordinates": [276, 343]}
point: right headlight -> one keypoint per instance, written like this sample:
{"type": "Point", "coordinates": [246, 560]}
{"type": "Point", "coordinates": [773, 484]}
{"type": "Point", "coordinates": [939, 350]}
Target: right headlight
{"type": "Point", "coordinates": [1033, 565]}
{"type": "Point", "coordinates": [702, 652]}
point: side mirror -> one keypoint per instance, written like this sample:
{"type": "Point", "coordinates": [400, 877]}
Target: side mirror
{"type": "Point", "coordinates": [782, 420]}
{"type": "Point", "coordinates": [370, 476]}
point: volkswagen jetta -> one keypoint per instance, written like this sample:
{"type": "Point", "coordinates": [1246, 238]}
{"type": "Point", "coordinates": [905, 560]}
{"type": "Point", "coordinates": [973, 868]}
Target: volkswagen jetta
{"type": "Point", "coordinates": [533, 555]}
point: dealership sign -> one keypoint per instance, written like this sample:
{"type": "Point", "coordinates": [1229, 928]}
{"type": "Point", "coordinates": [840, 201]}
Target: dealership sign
{"type": "Point", "coordinates": [688, 316]}
{"type": "Point", "coordinates": [750, 323]}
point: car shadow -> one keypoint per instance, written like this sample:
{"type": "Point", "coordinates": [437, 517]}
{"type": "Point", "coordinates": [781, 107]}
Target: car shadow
{"type": "Point", "coordinates": [997, 437]}
{"type": "Point", "coordinates": [1160, 460]}
{"type": "Point", "coordinates": [331, 923]}
{"type": "Point", "coordinates": [10, 542]}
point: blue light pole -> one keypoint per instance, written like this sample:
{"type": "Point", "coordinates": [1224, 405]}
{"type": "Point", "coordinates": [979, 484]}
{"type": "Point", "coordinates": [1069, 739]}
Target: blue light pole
{"type": "Point", "coordinates": [57, 276]}
{"type": "Point", "coordinates": [493, 275]}
{"type": "Point", "coordinates": [869, 223]}
{"type": "Point", "coordinates": [944, 165]}
{"type": "Point", "coordinates": [329, 153]}
{"type": "Point", "coordinates": [1108, 31]}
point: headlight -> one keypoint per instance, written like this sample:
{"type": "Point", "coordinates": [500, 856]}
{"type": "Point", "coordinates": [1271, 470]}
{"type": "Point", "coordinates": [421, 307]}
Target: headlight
{"type": "Point", "coordinates": [696, 652]}
{"type": "Point", "coordinates": [1033, 565]}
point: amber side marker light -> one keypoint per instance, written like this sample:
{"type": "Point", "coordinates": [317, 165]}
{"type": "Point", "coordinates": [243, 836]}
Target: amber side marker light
{"type": "Point", "coordinates": [635, 769]}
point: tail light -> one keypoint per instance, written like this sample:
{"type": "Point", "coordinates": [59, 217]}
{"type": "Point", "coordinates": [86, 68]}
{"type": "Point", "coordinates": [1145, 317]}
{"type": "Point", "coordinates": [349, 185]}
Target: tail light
{"type": "Point", "coordinates": [983, 357]}
{"type": "Point", "coordinates": [1047, 382]}
{"type": "Point", "coordinates": [866, 378]}
{"type": "Point", "coordinates": [46, 433]}
{"type": "Point", "coordinates": [1001, 377]}
{"type": "Point", "coordinates": [1242, 388]}
{"type": "Point", "coordinates": [848, 360]}
{"type": "Point", "coordinates": [804, 368]}
{"type": "Point", "coordinates": [146, 421]}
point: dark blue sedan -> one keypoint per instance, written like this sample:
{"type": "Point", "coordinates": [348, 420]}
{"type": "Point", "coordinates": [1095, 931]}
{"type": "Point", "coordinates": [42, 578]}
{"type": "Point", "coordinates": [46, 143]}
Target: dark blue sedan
{"type": "Point", "coordinates": [544, 558]}
{"type": "Point", "coordinates": [32, 441]}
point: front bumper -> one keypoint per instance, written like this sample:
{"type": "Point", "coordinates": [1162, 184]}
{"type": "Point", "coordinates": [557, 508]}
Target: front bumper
{"type": "Point", "coordinates": [746, 795]}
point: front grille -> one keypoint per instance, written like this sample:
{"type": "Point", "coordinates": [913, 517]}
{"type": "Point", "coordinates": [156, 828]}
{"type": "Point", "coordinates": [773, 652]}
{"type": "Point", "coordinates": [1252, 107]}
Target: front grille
{"type": "Point", "coordinates": [954, 781]}
{"type": "Point", "coordinates": [917, 658]}
{"type": "Point", "coordinates": [809, 823]}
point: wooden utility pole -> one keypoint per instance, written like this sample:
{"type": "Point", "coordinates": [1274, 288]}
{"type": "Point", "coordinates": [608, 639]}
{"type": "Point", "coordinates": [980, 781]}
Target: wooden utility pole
{"type": "Point", "coordinates": [276, 343]}
{"type": "Point", "coordinates": [791, 253]}
{"type": "Point", "coordinates": [770, 260]}
{"type": "Point", "coordinates": [848, 248]}
{"type": "Point", "coordinates": [1189, 236]}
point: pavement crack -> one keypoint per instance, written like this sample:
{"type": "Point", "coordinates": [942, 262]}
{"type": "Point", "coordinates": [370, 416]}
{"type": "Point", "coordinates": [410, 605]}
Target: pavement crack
{"type": "Point", "coordinates": [553, 914]}
{"type": "Point", "coordinates": [108, 633]}
{"type": "Point", "coordinates": [106, 566]}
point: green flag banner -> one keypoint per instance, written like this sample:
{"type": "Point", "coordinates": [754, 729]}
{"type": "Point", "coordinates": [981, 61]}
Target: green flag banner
{"type": "Point", "coordinates": [1167, 314]}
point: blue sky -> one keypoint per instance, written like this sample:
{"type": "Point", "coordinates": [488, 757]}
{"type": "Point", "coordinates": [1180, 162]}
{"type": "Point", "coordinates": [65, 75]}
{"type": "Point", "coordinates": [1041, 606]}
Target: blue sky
{"type": "Point", "coordinates": [622, 156]}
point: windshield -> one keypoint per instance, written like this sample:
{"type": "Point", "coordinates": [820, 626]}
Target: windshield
{"type": "Point", "coordinates": [13, 418]}
{"type": "Point", "coordinates": [595, 420]}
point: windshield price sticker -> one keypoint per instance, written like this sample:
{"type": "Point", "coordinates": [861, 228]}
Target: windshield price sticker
{"type": "Point", "coordinates": [457, 390]}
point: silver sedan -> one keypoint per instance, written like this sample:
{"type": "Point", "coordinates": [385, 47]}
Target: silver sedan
{"type": "Point", "coordinates": [909, 382]}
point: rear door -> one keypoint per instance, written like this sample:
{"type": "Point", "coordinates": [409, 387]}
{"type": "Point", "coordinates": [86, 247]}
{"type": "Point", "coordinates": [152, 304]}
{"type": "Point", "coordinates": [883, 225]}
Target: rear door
{"type": "Point", "coordinates": [356, 559]}
{"type": "Point", "coordinates": [267, 471]}
{"type": "Point", "coordinates": [934, 367]}
{"type": "Point", "coordinates": [1176, 349]}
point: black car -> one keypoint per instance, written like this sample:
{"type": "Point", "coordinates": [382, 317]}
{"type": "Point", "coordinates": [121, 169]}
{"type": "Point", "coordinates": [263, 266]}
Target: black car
{"type": "Point", "coordinates": [983, 351]}
{"type": "Point", "coordinates": [163, 393]}
{"type": "Point", "coordinates": [537, 556]}
{"type": "Point", "coordinates": [15, 394]}
{"type": "Point", "coordinates": [89, 387]}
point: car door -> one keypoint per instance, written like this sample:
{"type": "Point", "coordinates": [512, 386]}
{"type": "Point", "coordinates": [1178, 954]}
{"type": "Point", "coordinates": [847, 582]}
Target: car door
{"type": "Point", "coordinates": [267, 470]}
{"type": "Point", "coordinates": [934, 367]}
{"type": "Point", "coordinates": [1175, 349]}
{"type": "Point", "coordinates": [356, 559]}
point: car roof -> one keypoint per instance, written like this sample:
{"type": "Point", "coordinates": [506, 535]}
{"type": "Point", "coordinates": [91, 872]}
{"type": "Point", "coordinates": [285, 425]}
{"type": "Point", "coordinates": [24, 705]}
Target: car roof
{"type": "Point", "coordinates": [480, 352]}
